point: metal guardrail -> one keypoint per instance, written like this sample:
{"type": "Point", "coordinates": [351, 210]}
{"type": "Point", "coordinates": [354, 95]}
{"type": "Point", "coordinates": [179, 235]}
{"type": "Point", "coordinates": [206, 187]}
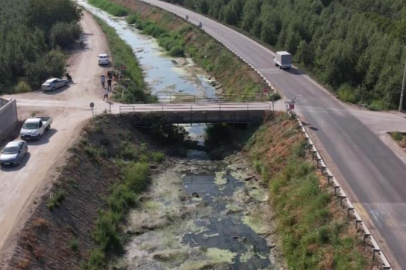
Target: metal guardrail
{"type": "Point", "coordinates": [344, 200]}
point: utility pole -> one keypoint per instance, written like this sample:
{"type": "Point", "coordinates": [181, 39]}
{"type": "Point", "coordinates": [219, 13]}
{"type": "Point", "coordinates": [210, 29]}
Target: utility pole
{"type": "Point", "coordinates": [402, 93]}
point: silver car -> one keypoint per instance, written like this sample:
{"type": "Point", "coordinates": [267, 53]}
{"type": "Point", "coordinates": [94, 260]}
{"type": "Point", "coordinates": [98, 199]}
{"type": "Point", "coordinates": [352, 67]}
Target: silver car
{"type": "Point", "coordinates": [13, 153]}
{"type": "Point", "coordinates": [53, 84]}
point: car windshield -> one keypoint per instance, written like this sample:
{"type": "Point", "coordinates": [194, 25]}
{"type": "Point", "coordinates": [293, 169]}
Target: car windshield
{"type": "Point", "coordinates": [10, 150]}
{"type": "Point", "coordinates": [30, 126]}
{"type": "Point", "coordinates": [102, 56]}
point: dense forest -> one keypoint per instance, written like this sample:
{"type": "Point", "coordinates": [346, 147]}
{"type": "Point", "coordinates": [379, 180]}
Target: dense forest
{"type": "Point", "coordinates": [32, 33]}
{"type": "Point", "coordinates": [355, 47]}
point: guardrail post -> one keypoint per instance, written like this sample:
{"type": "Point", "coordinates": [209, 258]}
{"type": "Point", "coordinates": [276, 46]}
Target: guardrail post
{"type": "Point", "coordinates": [357, 221]}
{"type": "Point", "coordinates": [366, 235]}
{"type": "Point", "coordinates": [329, 178]}
{"type": "Point", "coordinates": [335, 190]}
{"type": "Point", "coordinates": [375, 250]}
{"type": "Point", "coordinates": [341, 199]}
{"type": "Point", "coordinates": [349, 210]}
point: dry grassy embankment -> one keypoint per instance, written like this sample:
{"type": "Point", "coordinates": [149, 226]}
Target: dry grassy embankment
{"type": "Point", "coordinates": [77, 223]}
{"type": "Point", "coordinates": [314, 232]}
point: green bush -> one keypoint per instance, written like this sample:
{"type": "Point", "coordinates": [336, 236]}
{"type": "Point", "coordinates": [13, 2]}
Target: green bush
{"type": "Point", "coordinates": [113, 9]}
{"type": "Point", "coordinates": [74, 244]}
{"type": "Point", "coordinates": [121, 198]}
{"type": "Point", "coordinates": [397, 136]}
{"type": "Point", "coordinates": [97, 260]}
{"type": "Point", "coordinates": [177, 51]}
{"type": "Point", "coordinates": [136, 176]}
{"type": "Point", "coordinates": [23, 87]}
{"type": "Point", "coordinates": [64, 34]}
{"type": "Point", "coordinates": [55, 201]}
{"type": "Point", "coordinates": [51, 65]}
{"type": "Point", "coordinates": [347, 94]}
{"type": "Point", "coordinates": [158, 156]}
{"type": "Point", "coordinates": [133, 18]}
{"type": "Point", "coordinates": [106, 233]}
{"type": "Point", "coordinates": [153, 30]}
{"type": "Point", "coordinates": [377, 105]}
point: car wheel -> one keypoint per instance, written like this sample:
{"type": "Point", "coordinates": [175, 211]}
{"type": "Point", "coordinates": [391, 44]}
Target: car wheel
{"type": "Point", "coordinates": [66, 83]}
{"type": "Point", "coordinates": [53, 89]}
{"type": "Point", "coordinates": [19, 162]}
{"type": "Point", "coordinates": [48, 128]}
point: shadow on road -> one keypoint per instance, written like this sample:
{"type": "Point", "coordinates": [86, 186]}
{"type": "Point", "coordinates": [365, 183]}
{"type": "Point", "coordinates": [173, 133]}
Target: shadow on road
{"type": "Point", "coordinates": [17, 168]}
{"type": "Point", "coordinates": [57, 91]}
{"type": "Point", "coordinates": [294, 71]}
{"type": "Point", "coordinates": [44, 139]}
{"type": "Point", "coordinates": [313, 128]}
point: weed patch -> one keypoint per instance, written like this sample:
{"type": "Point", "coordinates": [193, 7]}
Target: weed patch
{"type": "Point", "coordinates": [56, 200]}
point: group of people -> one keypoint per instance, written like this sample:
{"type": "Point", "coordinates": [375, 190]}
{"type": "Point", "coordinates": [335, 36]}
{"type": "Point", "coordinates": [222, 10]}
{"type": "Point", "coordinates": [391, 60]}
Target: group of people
{"type": "Point", "coordinates": [109, 82]}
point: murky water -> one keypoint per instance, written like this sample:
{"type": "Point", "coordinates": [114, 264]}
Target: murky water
{"type": "Point", "coordinates": [164, 75]}
{"type": "Point", "coordinates": [198, 214]}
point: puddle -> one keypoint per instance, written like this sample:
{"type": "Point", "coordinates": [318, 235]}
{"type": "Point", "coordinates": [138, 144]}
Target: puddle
{"type": "Point", "coordinates": [164, 75]}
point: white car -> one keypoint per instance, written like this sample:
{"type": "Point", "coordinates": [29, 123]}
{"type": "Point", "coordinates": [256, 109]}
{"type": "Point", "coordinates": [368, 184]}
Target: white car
{"type": "Point", "coordinates": [103, 59]}
{"type": "Point", "coordinates": [53, 84]}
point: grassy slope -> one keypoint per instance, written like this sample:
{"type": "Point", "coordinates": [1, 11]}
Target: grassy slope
{"type": "Point", "coordinates": [75, 226]}
{"type": "Point", "coordinates": [234, 75]}
{"type": "Point", "coordinates": [314, 231]}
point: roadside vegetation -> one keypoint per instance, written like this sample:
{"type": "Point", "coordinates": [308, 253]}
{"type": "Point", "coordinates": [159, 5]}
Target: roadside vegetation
{"type": "Point", "coordinates": [34, 34]}
{"type": "Point", "coordinates": [179, 38]}
{"type": "Point", "coordinates": [78, 223]}
{"type": "Point", "coordinates": [132, 88]}
{"type": "Point", "coordinates": [399, 138]}
{"type": "Point", "coordinates": [355, 47]}
{"type": "Point", "coordinates": [313, 230]}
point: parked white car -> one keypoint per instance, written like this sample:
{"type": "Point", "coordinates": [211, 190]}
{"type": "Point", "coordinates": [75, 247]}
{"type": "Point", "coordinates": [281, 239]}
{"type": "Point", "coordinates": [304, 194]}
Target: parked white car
{"type": "Point", "coordinates": [53, 84]}
{"type": "Point", "coordinates": [34, 128]}
{"type": "Point", "coordinates": [103, 59]}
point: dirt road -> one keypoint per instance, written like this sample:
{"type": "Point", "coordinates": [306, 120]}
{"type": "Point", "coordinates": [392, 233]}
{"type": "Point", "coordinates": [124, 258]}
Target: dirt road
{"type": "Point", "coordinates": [20, 186]}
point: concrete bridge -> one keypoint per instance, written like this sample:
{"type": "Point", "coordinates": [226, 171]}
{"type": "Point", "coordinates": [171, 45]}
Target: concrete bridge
{"type": "Point", "coordinates": [189, 113]}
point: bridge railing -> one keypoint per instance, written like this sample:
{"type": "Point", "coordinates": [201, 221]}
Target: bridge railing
{"type": "Point", "coordinates": [194, 107]}
{"type": "Point", "coordinates": [178, 98]}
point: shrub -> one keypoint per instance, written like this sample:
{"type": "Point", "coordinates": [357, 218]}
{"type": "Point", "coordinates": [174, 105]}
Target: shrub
{"type": "Point", "coordinates": [347, 94]}
{"type": "Point", "coordinates": [136, 176]}
{"type": "Point", "coordinates": [133, 18]}
{"type": "Point", "coordinates": [397, 136]}
{"type": "Point", "coordinates": [106, 233]}
{"type": "Point", "coordinates": [113, 9]}
{"type": "Point", "coordinates": [51, 65]}
{"type": "Point", "coordinates": [121, 198]}
{"type": "Point", "coordinates": [177, 51]}
{"type": "Point", "coordinates": [97, 260]}
{"type": "Point", "coordinates": [74, 244]}
{"type": "Point", "coordinates": [23, 87]}
{"type": "Point", "coordinates": [158, 156]}
{"type": "Point", "coordinates": [55, 201]}
{"type": "Point", "coordinates": [64, 34]}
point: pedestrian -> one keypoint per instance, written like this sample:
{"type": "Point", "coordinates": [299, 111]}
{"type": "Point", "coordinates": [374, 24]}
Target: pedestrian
{"type": "Point", "coordinates": [106, 95]}
{"type": "Point", "coordinates": [103, 81]}
{"type": "Point", "coordinates": [109, 84]}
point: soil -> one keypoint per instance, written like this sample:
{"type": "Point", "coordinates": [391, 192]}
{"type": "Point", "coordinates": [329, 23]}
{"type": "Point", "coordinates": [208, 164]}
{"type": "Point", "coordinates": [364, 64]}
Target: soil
{"type": "Point", "coordinates": [45, 241]}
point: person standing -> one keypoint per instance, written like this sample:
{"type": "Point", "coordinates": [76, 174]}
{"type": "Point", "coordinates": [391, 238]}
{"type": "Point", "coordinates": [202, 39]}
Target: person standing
{"type": "Point", "coordinates": [106, 95]}
{"type": "Point", "coordinates": [103, 80]}
{"type": "Point", "coordinates": [109, 84]}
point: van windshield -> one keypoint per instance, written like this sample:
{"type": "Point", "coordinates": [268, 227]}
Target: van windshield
{"type": "Point", "coordinates": [30, 126]}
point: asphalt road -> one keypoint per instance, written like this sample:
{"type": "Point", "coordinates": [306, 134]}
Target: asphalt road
{"type": "Point", "coordinates": [372, 174]}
